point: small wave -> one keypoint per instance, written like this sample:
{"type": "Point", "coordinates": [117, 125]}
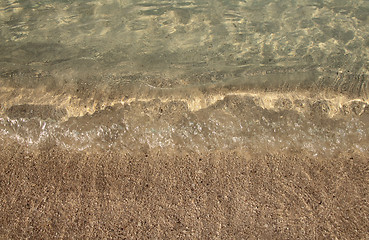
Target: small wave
{"type": "Point", "coordinates": [248, 120]}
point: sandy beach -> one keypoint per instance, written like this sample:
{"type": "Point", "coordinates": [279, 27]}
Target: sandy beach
{"type": "Point", "coordinates": [186, 119]}
{"type": "Point", "coordinates": [50, 193]}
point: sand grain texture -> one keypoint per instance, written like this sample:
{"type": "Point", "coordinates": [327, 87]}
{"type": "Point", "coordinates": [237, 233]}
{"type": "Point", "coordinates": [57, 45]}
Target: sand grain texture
{"type": "Point", "coordinates": [56, 194]}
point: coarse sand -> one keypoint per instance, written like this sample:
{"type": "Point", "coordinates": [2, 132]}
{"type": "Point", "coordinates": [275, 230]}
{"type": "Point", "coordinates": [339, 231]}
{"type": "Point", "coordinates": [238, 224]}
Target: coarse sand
{"type": "Point", "coordinates": [53, 193]}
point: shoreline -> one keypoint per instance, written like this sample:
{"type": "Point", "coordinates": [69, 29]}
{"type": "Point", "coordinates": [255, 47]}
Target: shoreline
{"type": "Point", "coordinates": [51, 192]}
{"type": "Point", "coordinates": [62, 105]}
{"type": "Point", "coordinates": [261, 122]}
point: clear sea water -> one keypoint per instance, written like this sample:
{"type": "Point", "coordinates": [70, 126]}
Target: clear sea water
{"type": "Point", "coordinates": [258, 75]}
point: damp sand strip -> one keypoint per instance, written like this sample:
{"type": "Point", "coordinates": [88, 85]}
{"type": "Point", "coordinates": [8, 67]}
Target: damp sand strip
{"type": "Point", "coordinates": [52, 192]}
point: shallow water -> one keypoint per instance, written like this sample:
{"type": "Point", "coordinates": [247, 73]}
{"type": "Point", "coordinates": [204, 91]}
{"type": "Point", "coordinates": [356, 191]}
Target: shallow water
{"type": "Point", "coordinates": [259, 75]}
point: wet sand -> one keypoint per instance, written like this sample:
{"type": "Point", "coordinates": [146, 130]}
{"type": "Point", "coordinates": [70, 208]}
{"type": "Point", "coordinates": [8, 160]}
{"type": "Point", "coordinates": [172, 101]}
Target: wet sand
{"type": "Point", "coordinates": [53, 193]}
{"type": "Point", "coordinates": [184, 119]}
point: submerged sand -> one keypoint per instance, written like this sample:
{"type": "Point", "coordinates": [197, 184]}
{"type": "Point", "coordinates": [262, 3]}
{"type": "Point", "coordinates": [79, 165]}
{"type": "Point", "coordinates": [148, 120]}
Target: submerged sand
{"type": "Point", "coordinates": [184, 119]}
{"type": "Point", "coordinates": [53, 193]}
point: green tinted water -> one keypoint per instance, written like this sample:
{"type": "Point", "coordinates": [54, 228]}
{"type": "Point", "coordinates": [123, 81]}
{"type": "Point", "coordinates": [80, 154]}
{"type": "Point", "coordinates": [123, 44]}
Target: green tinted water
{"type": "Point", "coordinates": [230, 74]}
